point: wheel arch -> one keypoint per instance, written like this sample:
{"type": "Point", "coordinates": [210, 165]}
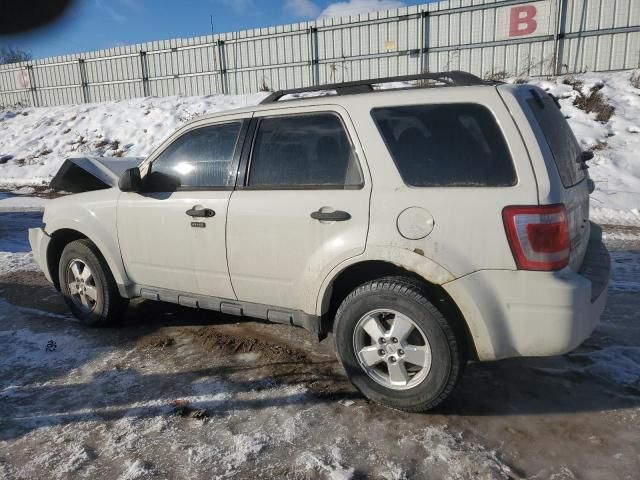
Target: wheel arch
{"type": "Point", "coordinates": [351, 276]}
{"type": "Point", "coordinates": [62, 237]}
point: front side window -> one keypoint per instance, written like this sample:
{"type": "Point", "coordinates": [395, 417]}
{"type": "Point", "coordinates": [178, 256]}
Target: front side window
{"type": "Point", "coordinates": [446, 145]}
{"type": "Point", "coordinates": [198, 159]}
{"type": "Point", "coordinates": [303, 151]}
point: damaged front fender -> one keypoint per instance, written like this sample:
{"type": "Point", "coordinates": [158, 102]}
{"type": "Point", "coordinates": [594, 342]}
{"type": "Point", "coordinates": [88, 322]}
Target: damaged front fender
{"type": "Point", "coordinates": [85, 174]}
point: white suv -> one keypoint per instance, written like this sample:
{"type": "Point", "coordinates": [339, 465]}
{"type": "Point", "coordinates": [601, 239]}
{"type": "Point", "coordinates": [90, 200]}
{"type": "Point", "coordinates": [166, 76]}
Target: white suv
{"type": "Point", "coordinates": [424, 227]}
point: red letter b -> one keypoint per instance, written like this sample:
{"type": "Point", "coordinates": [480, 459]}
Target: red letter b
{"type": "Point", "coordinates": [522, 21]}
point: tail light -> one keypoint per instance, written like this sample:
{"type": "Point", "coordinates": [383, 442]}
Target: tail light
{"type": "Point", "coordinates": [538, 236]}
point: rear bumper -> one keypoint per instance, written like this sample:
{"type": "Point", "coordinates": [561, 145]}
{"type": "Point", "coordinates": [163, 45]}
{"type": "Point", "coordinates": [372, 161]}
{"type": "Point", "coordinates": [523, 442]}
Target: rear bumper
{"type": "Point", "coordinates": [39, 241]}
{"type": "Point", "coordinates": [526, 313]}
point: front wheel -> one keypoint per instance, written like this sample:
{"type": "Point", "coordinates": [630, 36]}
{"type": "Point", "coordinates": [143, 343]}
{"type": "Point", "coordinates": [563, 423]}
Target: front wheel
{"type": "Point", "coordinates": [88, 286]}
{"type": "Point", "coordinates": [395, 346]}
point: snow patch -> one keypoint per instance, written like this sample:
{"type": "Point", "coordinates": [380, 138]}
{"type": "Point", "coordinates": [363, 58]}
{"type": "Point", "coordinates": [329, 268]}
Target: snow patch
{"type": "Point", "coordinates": [26, 348]}
{"type": "Point", "coordinates": [135, 469]}
{"type": "Point", "coordinates": [615, 217]}
{"type": "Point", "coordinates": [618, 363]}
{"type": "Point", "coordinates": [246, 447]}
{"type": "Point", "coordinates": [625, 271]}
{"type": "Point", "coordinates": [330, 465]}
{"type": "Point", "coordinates": [23, 203]}
{"type": "Point", "coordinates": [448, 455]}
{"type": "Point", "coordinates": [11, 262]}
{"type": "Point", "coordinates": [36, 144]}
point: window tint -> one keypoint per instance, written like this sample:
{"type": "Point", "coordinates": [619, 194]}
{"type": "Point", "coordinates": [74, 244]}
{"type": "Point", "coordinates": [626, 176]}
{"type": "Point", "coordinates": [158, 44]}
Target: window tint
{"type": "Point", "coordinates": [561, 140]}
{"type": "Point", "coordinates": [199, 158]}
{"type": "Point", "coordinates": [456, 144]}
{"type": "Point", "coordinates": [303, 150]}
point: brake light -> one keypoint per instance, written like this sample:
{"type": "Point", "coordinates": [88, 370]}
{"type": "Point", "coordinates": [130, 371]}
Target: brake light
{"type": "Point", "coordinates": [538, 236]}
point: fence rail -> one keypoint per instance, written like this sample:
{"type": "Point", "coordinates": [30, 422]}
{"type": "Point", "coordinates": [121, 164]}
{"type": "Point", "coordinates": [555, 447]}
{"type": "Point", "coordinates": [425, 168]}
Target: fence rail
{"type": "Point", "coordinates": [484, 37]}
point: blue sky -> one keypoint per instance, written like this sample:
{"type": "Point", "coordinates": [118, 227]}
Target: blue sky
{"type": "Point", "coordinates": [98, 24]}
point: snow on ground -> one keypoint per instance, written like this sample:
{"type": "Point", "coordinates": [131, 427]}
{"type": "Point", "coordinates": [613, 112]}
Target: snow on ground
{"type": "Point", "coordinates": [15, 251]}
{"type": "Point", "coordinates": [89, 403]}
{"type": "Point", "coordinates": [625, 270]}
{"type": "Point", "coordinates": [19, 201]}
{"type": "Point", "coordinates": [86, 407]}
{"type": "Point", "coordinates": [34, 142]}
{"type": "Point", "coordinates": [15, 262]}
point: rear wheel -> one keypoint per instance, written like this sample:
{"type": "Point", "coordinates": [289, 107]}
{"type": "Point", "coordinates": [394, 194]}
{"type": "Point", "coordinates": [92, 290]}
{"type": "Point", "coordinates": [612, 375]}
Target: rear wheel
{"type": "Point", "coordinates": [395, 346]}
{"type": "Point", "coordinates": [88, 286]}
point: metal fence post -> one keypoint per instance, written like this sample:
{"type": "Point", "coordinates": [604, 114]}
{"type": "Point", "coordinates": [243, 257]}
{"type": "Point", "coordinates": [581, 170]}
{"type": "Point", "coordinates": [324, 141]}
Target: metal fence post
{"type": "Point", "coordinates": [84, 85]}
{"type": "Point", "coordinates": [558, 46]}
{"type": "Point", "coordinates": [32, 85]}
{"type": "Point", "coordinates": [424, 48]}
{"type": "Point", "coordinates": [315, 56]}
{"type": "Point", "coordinates": [223, 67]}
{"type": "Point", "coordinates": [144, 69]}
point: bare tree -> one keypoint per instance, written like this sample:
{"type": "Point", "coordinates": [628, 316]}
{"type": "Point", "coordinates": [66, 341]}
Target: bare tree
{"type": "Point", "coordinates": [13, 55]}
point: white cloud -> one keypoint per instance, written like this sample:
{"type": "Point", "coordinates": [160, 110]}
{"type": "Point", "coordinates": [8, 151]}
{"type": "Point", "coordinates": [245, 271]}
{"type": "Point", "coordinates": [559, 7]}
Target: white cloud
{"type": "Point", "coordinates": [110, 11]}
{"type": "Point", "coordinates": [302, 8]}
{"type": "Point", "coordinates": [241, 6]}
{"type": "Point", "coordinates": [354, 7]}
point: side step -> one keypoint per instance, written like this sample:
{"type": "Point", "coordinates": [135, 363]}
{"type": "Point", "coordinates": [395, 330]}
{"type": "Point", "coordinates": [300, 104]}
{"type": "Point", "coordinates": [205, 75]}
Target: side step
{"type": "Point", "coordinates": [270, 313]}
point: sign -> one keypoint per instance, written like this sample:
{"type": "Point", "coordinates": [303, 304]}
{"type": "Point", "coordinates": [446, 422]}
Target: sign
{"type": "Point", "coordinates": [525, 20]}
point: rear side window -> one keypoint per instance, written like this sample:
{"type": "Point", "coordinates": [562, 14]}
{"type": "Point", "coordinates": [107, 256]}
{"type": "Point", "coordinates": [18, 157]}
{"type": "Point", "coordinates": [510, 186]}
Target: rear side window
{"type": "Point", "coordinates": [558, 135]}
{"type": "Point", "coordinates": [449, 145]}
{"type": "Point", "coordinates": [303, 151]}
{"type": "Point", "coordinates": [198, 159]}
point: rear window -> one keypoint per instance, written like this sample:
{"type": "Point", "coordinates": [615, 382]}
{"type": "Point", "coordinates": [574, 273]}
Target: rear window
{"type": "Point", "coordinates": [449, 145]}
{"type": "Point", "coordinates": [558, 135]}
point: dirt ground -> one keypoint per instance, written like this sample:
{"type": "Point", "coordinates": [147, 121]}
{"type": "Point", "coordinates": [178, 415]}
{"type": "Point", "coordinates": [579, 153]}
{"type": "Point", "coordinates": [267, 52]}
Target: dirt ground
{"type": "Point", "coordinates": [173, 392]}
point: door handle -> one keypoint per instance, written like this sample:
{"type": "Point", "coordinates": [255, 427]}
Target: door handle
{"type": "Point", "coordinates": [200, 212]}
{"type": "Point", "coordinates": [337, 216]}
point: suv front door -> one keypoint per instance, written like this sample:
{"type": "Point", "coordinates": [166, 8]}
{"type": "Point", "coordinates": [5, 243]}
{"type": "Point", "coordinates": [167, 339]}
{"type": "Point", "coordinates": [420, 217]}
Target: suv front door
{"type": "Point", "coordinates": [302, 208]}
{"type": "Point", "coordinates": [172, 234]}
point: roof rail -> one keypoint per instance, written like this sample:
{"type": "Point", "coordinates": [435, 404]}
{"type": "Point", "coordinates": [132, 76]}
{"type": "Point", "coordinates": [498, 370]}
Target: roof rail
{"type": "Point", "coordinates": [452, 79]}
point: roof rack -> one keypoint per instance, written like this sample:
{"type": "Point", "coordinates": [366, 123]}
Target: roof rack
{"type": "Point", "coordinates": [451, 79]}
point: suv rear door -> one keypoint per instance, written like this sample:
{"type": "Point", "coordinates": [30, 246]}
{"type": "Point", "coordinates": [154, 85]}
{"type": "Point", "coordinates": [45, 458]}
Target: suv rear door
{"type": "Point", "coordinates": [302, 208]}
{"type": "Point", "coordinates": [567, 174]}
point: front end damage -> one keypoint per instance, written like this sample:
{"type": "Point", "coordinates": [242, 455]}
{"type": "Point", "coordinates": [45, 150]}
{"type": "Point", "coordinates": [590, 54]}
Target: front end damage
{"type": "Point", "coordinates": [86, 174]}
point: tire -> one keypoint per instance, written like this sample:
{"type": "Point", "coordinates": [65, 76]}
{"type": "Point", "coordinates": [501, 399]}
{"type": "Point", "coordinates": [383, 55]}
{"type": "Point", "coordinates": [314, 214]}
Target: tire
{"type": "Point", "coordinates": [397, 304]}
{"type": "Point", "coordinates": [88, 286]}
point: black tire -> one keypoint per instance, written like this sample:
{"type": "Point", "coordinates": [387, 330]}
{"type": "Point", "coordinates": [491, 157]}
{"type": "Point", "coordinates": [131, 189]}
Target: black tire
{"type": "Point", "coordinates": [407, 297]}
{"type": "Point", "coordinates": [108, 304]}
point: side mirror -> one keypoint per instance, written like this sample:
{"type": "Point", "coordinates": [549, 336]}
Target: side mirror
{"type": "Point", "coordinates": [130, 180]}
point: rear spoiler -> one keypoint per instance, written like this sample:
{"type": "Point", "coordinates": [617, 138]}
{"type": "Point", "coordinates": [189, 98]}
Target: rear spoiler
{"type": "Point", "coordinates": [85, 174]}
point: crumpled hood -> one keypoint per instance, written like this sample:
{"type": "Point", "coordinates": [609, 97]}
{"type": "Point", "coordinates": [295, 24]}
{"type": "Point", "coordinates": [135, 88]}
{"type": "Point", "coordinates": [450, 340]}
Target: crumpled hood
{"type": "Point", "coordinates": [85, 174]}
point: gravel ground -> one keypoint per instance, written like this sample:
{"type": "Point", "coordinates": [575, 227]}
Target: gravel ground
{"type": "Point", "coordinates": [178, 393]}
